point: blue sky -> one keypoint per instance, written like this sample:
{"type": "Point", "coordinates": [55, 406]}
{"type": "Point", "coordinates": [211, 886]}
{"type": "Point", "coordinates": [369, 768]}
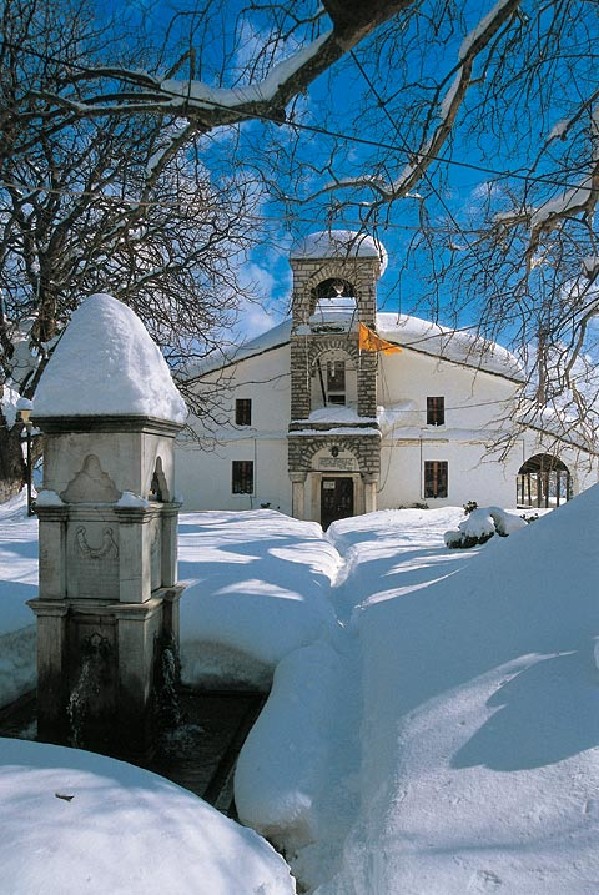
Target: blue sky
{"type": "Point", "coordinates": [455, 192]}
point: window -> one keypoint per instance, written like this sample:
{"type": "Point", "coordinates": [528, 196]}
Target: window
{"type": "Point", "coordinates": [243, 412]}
{"type": "Point", "coordinates": [335, 382]}
{"type": "Point", "coordinates": [435, 478]}
{"type": "Point", "coordinates": [242, 481]}
{"type": "Point", "coordinates": [435, 411]}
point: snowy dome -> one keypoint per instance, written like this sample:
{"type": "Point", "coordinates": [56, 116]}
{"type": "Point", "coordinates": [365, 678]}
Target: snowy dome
{"type": "Point", "coordinates": [341, 244]}
{"type": "Point", "coordinates": [107, 364]}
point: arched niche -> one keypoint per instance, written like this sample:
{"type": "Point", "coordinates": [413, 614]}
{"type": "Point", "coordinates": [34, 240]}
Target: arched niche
{"type": "Point", "coordinates": [158, 487]}
{"type": "Point", "coordinates": [325, 282]}
{"type": "Point", "coordinates": [334, 287]}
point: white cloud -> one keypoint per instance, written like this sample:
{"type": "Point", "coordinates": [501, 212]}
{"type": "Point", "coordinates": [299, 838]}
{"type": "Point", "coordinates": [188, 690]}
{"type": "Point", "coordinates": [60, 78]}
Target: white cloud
{"type": "Point", "coordinates": [265, 311]}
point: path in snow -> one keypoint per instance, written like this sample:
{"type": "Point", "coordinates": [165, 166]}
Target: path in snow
{"type": "Point", "coordinates": [300, 775]}
{"type": "Point", "coordinates": [427, 731]}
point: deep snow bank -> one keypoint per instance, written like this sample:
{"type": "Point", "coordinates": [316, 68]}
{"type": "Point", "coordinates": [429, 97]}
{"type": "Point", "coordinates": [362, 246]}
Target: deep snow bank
{"type": "Point", "coordinates": [76, 822]}
{"type": "Point", "coordinates": [480, 738]}
{"type": "Point", "coordinates": [258, 589]}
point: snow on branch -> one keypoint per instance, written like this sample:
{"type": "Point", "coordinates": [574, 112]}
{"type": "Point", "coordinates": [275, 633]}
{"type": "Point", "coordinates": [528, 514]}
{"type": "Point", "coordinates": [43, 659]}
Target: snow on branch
{"type": "Point", "coordinates": [448, 105]}
{"type": "Point", "coordinates": [200, 95]}
{"type": "Point", "coordinates": [115, 91]}
{"type": "Point", "coordinates": [579, 199]}
{"type": "Point", "coordinates": [205, 106]}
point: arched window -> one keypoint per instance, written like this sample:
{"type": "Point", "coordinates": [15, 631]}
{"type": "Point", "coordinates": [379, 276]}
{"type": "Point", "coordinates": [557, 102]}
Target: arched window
{"type": "Point", "coordinates": [334, 287]}
{"type": "Point", "coordinates": [335, 308]}
{"type": "Point", "coordinates": [543, 481]}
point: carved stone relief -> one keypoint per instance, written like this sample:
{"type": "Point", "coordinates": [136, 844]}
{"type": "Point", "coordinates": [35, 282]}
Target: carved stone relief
{"type": "Point", "coordinates": [91, 484]}
{"type": "Point", "coordinates": [94, 561]}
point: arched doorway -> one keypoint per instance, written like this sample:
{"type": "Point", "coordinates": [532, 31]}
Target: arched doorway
{"type": "Point", "coordinates": [543, 481]}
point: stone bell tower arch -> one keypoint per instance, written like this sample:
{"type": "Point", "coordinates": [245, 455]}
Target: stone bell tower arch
{"type": "Point", "coordinates": [334, 441]}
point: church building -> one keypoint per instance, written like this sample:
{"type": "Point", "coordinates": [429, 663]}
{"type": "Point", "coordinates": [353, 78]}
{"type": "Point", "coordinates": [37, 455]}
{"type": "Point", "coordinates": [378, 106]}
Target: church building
{"type": "Point", "coordinates": [344, 410]}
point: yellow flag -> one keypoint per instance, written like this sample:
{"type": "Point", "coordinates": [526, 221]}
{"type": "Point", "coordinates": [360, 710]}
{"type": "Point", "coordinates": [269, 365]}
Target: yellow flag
{"type": "Point", "coordinates": [369, 341]}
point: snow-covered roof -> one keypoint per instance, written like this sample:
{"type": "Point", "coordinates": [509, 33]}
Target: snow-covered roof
{"type": "Point", "coordinates": [106, 364]}
{"type": "Point", "coordinates": [273, 338]}
{"type": "Point", "coordinates": [341, 244]}
{"type": "Point", "coordinates": [459, 346]}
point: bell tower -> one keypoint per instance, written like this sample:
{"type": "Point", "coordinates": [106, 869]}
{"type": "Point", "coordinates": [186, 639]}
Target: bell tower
{"type": "Point", "coordinates": [334, 441]}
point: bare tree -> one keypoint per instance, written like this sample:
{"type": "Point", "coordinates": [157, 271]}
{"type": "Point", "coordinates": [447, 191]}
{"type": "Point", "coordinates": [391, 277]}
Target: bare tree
{"type": "Point", "coordinates": [87, 205]}
{"type": "Point", "coordinates": [515, 80]}
{"type": "Point", "coordinates": [353, 111]}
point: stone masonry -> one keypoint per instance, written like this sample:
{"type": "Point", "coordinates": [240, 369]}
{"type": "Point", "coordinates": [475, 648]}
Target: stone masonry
{"type": "Point", "coordinates": [306, 440]}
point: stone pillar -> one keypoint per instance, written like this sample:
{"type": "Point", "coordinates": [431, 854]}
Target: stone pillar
{"type": "Point", "coordinates": [301, 385]}
{"type": "Point", "coordinates": [135, 573]}
{"type": "Point", "coordinates": [367, 384]}
{"type": "Point", "coordinates": [171, 616]}
{"type": "Point", "coordinates": [52, 720]}
{"type": "Point", "coordinates": [108, 601]}
{"type": "Point", "coordinates": [297, 494]}
{"type": "Point", "coordinates": [52, 552]}
{"type": "Point", "coordinates": [139, 628]}
{"type": "Point", "coordinates": [370, 492]}
{"type": "Point", "coordinates": [169, 545]}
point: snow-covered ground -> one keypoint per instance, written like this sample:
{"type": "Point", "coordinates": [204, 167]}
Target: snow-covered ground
{"type": "Point", "coordinates": [433, 725]}
{"type": "Point", "coordinates": [258, 587]}
{"type": "Point", "coordinates": [73, 822]}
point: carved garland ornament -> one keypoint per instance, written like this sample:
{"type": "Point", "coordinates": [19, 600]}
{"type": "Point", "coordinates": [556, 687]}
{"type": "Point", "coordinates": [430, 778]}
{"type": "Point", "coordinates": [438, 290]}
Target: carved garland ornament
{"type": "Point", "coordinates": [108, 546]}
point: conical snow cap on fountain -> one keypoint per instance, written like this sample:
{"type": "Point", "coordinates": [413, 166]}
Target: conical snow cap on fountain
{"type": "Point", "coordinates": [106, 364]}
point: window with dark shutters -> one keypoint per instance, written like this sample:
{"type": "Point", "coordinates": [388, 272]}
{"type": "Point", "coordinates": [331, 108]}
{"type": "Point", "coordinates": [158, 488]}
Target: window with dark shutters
{"type": "Point", "coordinates": [435, 478]}
{"type": "Point", "coordinates": [243, 412]}
{"type": "Point", "coordinates": [435, 411]}
{"type": "Point", "coordinates": [242, 477]}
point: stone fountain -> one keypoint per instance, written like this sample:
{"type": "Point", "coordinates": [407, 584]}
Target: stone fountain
{"type": "Point", "coordinates": [108, 595]}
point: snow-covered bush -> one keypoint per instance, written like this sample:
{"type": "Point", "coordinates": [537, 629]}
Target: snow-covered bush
{"type": "Point", "coordinates": [506, 523]}
{"type": "Point", "coordinates": [480, 524]}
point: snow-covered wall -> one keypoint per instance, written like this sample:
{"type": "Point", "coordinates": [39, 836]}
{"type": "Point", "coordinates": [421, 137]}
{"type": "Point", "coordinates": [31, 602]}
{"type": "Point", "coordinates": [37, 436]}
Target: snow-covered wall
{"type": "Point", "coordinates": [476, 409]}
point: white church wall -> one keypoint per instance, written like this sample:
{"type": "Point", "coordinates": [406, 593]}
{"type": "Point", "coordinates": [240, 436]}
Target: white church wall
{"type": "Point", "coordinates": [475, 401]}
{"type": "Point", "coordinates": [204, 471]}
{"type": "Point", "coordinates": [472, 475]}
{"type": "Point", "coordinates": [205, 477]}
{"type": "Point", "coordinates": [473, 398]}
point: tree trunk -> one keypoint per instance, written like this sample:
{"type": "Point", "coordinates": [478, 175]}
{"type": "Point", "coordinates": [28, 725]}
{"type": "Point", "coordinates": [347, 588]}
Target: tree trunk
{"type": "Point", "coordinates": [12, 465]}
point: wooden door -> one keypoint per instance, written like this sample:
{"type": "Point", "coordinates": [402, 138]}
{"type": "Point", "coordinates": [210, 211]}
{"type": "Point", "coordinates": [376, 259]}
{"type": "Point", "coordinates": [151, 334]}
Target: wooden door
{"type": "Point", "coordinates": [336, 499]}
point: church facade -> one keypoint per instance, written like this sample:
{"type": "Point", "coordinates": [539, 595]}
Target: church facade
{"type": "Point", "coordinates": [343, 410]}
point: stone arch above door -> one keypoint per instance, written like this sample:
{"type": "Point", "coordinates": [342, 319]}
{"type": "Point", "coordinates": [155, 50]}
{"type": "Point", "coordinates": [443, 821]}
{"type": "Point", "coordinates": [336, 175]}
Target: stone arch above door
{"type": "Point", "coordinates": [343, 345]}
{"type": "Point", "coordinates": [364, 449]}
